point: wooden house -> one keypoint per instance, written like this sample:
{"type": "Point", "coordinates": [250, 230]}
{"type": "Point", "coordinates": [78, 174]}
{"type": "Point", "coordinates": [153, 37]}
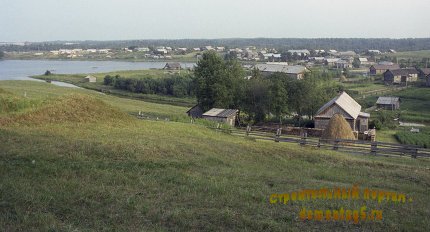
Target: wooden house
{"type": "Point", "coordinates": [381, 68]}
{"type": "Point", "coordinates": [388, 103]}
{"type": "Point", "coordinates": [423, 72]}
{"type": "Point", "coordinates": [400, 76]}
{"type": "Point", "coordinates": [195, 112]}
{"type": "Point", "coordinates": [90, 78]}
{"type": "Point", "coordinates": [227, 116]}
{"type": "Point", "coordinates": [428, 80]}
{"type": "Point", "coordinates": [294, 71]}
{"type": "Point", "coordinates": [346, 106]}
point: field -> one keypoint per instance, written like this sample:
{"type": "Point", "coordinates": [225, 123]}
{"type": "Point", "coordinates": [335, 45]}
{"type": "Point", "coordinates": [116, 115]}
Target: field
{"type": "Point", "coordinates": [418, 55]}
{"type": "Point", "coordinates": [100, 169]}
{"type": "Point", "coordinates": [421, 139]}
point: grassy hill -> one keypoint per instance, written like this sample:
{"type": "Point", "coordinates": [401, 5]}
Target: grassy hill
{"type": "Point", "coordinates": [119, 173]}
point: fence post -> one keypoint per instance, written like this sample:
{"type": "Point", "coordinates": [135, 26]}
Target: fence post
{"type": "Point", "coordinates": [414, 152]}
{"type": "Point", "coordinates": [373, 148]}
{"type": "Point", "coordinates": [319, 143]}
{"type": "Point", "coordinates": [278, 134]}
{"type": "Point", "coordinates": [248, 129]}
{"type": "Point", "coordinates": [303, 141]}
{"type": "Point", "coordinates": [336, 144]}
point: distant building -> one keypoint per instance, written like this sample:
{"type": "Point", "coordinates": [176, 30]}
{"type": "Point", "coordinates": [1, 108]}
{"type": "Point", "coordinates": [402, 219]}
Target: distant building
{"type": "Point", "coordinates": [428, 80]}
{"type": "Point", "coordinates": [388, 103]}
{"type": "Point", "coordinates": [295, 71]}
{"type": "Point", "coordinates": [90, 78]}
{"type": "Point", "coordinates": [346, 106]}
{"type": "Point", "coordinates": [270, 57]}
{"type": "Point", "coordinates": [374, 51]}
{"type": "Point", "coordinates": [346, 54]}
{"type": "Point", "coordinates": [423, 72]}
{"type": "Point", "coordinates": [400, 76]}
{"type": "Point", "coordinates": [340, 64]}
{"type": "Point", "coordinates": [331, 61]}
{"type": "Point", "coordinates": [195, 112]}
{"type": "Point", "coordinates": [303, 52]}
{"type": "Point", "coordinates": [172, 66]}
{"type": "Point", "coordinates": [363, 61]}
{"type": "Point", "coordinates": [227, 116]}
{"type": "Point", "coordinates": [381, 68]}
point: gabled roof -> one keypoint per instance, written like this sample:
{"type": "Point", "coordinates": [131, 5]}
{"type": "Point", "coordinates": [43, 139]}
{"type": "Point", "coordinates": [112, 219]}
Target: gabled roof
{"type": "Point", "coordinates": [196, 106]}
{"type": "Point", "coordinates": [345, 102]}
{"type": "Point", "coordinates": [385, 67]}
{"type": "Point", "coordinates": [387, 100]}
{"type": "Point", "coordinates": [425, 71]}
{"type": "Point", "coordinates": [403, 71]}
{"type": "Point", "coordinates": [364, 59]}
{"type": "Point", "coordinates": [296, 69]}
{"type": "Point", "coordinates": [221, 113]}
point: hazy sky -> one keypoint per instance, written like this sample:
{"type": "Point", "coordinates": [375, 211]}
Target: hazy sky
{"type": "Point", "coordinates": [43, 20]}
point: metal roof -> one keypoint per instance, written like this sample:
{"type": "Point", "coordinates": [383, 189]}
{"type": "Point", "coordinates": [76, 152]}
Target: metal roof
{"type": "Point", "coordinates": [387, 100]}
{"type": "Point", "coordinates": [363, 59]}
{"type": "Point", "coordinates": [296, 69]}
{"type": "Point", "coordinates": [222, 113]}
{"type": "Point", "coordinates": [345, 102]}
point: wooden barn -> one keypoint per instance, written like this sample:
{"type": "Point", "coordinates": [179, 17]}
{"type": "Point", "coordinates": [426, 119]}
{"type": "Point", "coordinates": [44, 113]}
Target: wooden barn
{"type": "Point", "coordinates": [388, 103]}
{"type": "Point", "coordinates": [195, 112]}
{"type": "Point", "coordinates": [90, 78]}
{"type": "Point", "coordinates": [227, 116]}
{"type": "Point", "coordinates": [346, 106]}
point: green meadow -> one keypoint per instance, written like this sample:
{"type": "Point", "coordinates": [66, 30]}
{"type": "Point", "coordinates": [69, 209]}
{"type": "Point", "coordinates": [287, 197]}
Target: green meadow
{"type": "Point", "coordinates": [76, 160]}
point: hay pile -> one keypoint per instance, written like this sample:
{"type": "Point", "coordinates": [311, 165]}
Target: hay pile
{"type": "Point", "coordinates": [342, 78]}
{"type": "Point", "coordinates": [338, 128]}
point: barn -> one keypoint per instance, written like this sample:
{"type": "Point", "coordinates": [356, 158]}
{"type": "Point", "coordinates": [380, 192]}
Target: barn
{"type": "Point", "coordinates": [90, 78]}
{"type": "Point", "coordinates": [346, 106]}
{"type": "Point", "coordinates": [227, 116]}
{"type": "Point", "coordinates": [195, 112]}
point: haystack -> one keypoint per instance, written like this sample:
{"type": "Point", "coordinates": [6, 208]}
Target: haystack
{"type": "Point", "coordinates": [342, 78]}
{"type": "Point", "coordinates": [338, 128]}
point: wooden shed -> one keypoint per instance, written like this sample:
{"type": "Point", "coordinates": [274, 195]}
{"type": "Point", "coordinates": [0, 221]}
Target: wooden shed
{"type": "Point", "coordinates": [172, 66]}
{"type": "Point", "coordinates": [90, 78]}
{"type": "Point", "coordinates": [346, 106]}
{"type": "Point", "coordinates": [195, 112]}
{"type": "Point", "coordinates": [388, 103]}
{"type": "Point", "coordinates": [227, 116]}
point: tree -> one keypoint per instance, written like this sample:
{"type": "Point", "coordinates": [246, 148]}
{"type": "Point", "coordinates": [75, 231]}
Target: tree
{"type": "Point", "coordinates": [356, 63]}
{"type": "Point", "coordinates": [256, 101]}
{"type": "Point", "coordinates": [1, 54]}
{"type": "Point", "coordinates": [278, 96]}
{"type": "Point", "coordinates": [218, 83]}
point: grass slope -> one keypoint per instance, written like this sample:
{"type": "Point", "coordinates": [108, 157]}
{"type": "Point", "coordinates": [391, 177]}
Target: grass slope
{"type": "Point", "coordinates": [135, 175]}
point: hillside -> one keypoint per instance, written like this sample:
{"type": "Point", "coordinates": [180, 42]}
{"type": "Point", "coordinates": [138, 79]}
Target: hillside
{"type": "Point", "coordinates": [140, 175]}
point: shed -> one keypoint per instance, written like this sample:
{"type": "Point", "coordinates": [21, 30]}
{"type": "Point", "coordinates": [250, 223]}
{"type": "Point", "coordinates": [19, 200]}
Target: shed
{"type": "Point", "coordinates": [388, 103]}
{"type": "Point", "coordinates": [295, 71]}
{"type": "Point", "coordinates": [195, 112]}
{"type": "Point", "coordinates": [346, 106]}
{"type": "Point", "coordinates": [428, 80]}
{"type": "Point", "coordinates": [381, 68]}
{"type": "Point", "coordinates": [227, 116]}
{"type": "Point", "coordinates": [90, 78]}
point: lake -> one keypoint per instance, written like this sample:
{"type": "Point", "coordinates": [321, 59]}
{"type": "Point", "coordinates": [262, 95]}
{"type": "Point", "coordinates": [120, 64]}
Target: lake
{"type": "Point", "coordinates": [22, 69]}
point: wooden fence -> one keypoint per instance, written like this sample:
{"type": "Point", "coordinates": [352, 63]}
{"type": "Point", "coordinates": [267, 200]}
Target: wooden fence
{"type": "Point", "coordinates": [343, 145]}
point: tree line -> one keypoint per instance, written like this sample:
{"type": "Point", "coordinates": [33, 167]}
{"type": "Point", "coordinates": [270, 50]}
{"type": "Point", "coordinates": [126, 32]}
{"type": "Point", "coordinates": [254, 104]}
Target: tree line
{"type": "Point", "coordinates": [176, 85]}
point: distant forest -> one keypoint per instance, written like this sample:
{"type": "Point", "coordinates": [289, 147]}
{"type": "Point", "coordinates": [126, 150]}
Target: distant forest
{"type": "Point", "coordinates": [341, 44]}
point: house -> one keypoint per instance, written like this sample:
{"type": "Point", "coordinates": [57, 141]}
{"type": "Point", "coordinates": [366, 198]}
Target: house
{"type": "Point", "coordinates": [294, 71]}
{"type": "Point", "coordinates": [303, 52]}
{"type": "Point", "coordinates": [172, 66]}
{"type": "Point", "coordinates": [343, 64]}
{"type": "Point", "coordinates": [90, 78]}
{"type": "Point", "coordinates": [388, 103]}
{"type": "Point", "coordinates": [400, 76]}
{"type": "Point", "coordinates": [195, 112]}
{"type": "Point", "coordinates": [346, 106]}
{"type": "Point", "coordinates": [346, 54]}
{"type": "Point", "coordinates": [374, 51]}
{"type": "Point", "coordinates": [428, 80]}
{"type": "Point", "coordinates": [270, 56]}
{"type": "Point", "coordinates": [331, 61]}
{"type": "Point", "coordinates": [363, 61]}
{"type": "Point", "coordinates": [381, 68]}
{"type": "Point", "coordinates": [423, 72]}
{"type": "Point", "coordinates": [227, 116]}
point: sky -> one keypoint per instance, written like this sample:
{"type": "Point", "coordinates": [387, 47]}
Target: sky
{"type": "Point", "coordinates": [49, 20]}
